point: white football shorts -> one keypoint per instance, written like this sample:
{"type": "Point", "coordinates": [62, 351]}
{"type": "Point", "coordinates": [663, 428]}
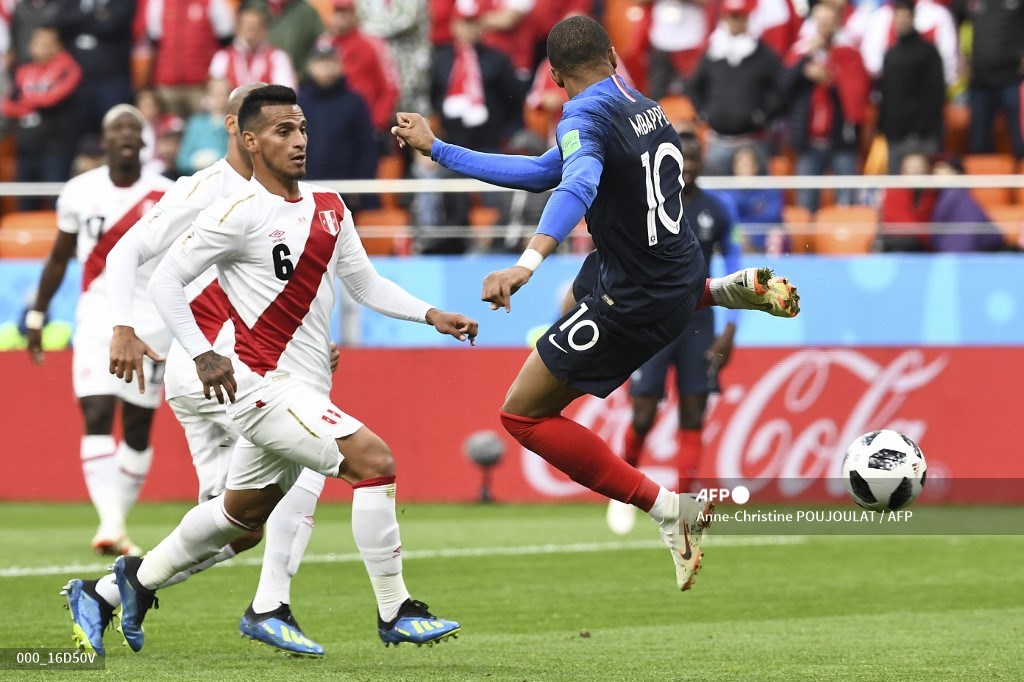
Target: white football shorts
{"type": "Point", "coordinates": [211, 436]}
{"type": "Point", "coordinates": [90, 362]}
{"type": "Point", "coordinates": [285, 426]}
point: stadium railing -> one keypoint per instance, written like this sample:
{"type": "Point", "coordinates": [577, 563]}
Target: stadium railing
{"type": "Point", "coordinates": [389, 230]}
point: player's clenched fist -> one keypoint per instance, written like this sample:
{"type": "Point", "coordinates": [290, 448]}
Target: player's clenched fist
{"type": "Point", "coordinates": [499, 286]}
{"type": "Point", "coordinates": [453, 324]}
{"type": "Point", "coordinates": [217, 375]}
{"type": "Point", "coordinates": [413, 130]}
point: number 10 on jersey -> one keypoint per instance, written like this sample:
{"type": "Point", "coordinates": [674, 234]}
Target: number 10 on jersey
{"type": "Point", "coordinates": [655, 196]}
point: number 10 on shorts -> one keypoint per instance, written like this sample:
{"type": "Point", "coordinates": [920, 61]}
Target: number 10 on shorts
{"type": "Point", "coordinates": [576, 326]}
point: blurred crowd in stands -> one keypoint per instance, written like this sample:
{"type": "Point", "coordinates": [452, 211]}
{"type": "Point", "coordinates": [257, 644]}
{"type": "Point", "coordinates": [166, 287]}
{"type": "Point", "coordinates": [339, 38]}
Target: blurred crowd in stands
{"type": "Point", "coordinates": [774, 87]}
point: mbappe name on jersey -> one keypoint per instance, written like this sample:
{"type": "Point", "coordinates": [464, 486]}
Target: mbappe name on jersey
{"type": "Point", "coordinates": [649, 121]}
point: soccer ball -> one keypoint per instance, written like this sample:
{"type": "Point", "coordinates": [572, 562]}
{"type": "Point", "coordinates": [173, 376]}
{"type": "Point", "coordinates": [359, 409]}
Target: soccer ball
{"type": "Point", "coordinates": [884, 470]}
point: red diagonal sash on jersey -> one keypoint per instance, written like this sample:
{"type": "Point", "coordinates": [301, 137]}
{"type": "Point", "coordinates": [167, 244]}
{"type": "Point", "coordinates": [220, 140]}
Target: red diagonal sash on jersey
{"type": "Point", "coordinates": [97, 260]}
{"type": "Point", "coordinates": [211, 310]}
{"type": "Point", "coordinates": [260, 347]}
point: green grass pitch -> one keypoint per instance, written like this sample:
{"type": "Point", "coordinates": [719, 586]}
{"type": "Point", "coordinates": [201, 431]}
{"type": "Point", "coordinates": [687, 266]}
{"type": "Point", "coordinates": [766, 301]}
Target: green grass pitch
{"type": "Point", "coordinates": [547, 593]}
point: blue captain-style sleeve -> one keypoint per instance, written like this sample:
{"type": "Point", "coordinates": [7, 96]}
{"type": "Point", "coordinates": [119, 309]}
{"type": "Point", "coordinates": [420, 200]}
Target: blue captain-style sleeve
{"type": "Point", "coordinates": [532, 173]}
{"type": "Point", "coordinates": [581, 143]}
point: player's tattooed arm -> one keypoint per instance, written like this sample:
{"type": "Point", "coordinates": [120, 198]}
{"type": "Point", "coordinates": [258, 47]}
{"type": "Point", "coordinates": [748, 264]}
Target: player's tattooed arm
{"type": "Point", "coordinates": [217, 375]}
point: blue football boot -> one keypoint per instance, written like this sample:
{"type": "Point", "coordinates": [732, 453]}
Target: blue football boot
{"type": "Point", "coordinates": [136, 600]}
{"type": "Point", "coordinates": [414, 623]}
{"type": "Point", "coordinates": [279, 629]}
{"type": "Point", "coordinates": [90, 614]}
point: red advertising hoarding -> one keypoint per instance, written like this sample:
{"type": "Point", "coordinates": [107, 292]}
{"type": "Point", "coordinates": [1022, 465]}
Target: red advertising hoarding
{"type": "Point", "coordinates": [781, 424]}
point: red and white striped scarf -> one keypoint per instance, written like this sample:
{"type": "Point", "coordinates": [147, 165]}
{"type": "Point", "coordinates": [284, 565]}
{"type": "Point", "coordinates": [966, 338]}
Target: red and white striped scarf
{"type": "Point", "coordinates": [464, 99]}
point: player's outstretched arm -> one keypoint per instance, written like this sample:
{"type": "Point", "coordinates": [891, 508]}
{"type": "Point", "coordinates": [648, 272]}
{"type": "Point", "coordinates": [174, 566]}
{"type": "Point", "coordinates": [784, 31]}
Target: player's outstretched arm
{"type": "Point", "coordinates": [367, 287]}
{"type": "Point", "coordinates": [563, 212]}
{"type": "Point", "coordinates": [49, 282]}
{"type": "Point", "coordinates": [456, 325]}
{"type": "Point", "coordinates": [531, 173]}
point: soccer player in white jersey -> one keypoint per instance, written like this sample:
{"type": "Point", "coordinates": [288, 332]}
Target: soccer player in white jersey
{"type": "Point", "coordinates": [94, 210]}
{"type": "Point", "coordinates": [278, 247]}
{"type": "Point", "coordinates": [208, 429]}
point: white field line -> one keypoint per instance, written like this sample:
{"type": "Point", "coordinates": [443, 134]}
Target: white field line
{"type": "Point", "coordinates": [519, 550]}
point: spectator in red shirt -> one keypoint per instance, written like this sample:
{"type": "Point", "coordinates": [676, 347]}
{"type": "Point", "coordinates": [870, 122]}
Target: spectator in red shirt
{"type": "Point", "coordinates": [41, 101]}
{"type": "Point", "coordinates": [250, 58]}
{"type": "Point", "coordinates": [187, 34]}
{"type": "Point", "coordinates": [905, 213]}
{"type": "Point", "coordinates": [441, 14]}
{"type": "Point", "coordinates": [366, 62]}
{"type": "Point", "coordinates": [508, 27]}
{"type": "Point", "coordinates": [826, 86]}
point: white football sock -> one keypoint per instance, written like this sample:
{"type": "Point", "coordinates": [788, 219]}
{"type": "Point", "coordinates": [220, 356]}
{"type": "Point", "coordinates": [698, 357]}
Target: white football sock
{"type": "Point", "coordinates": [225, 553]}
{"type": "Point", "coordinates": [286, 535]}
{"type": "Point", "coordinates": [664, 506]}
{"type": "Point", "coordinates": [134, 467]}
{"type": "Point", "coordinates": [375, 530]}
{"type": "Point", "coordinates": [106, 587]}
{"type": "Point", "coordinates": [102, 479]}
{"type": "Point", "coordinates": [202, 533]}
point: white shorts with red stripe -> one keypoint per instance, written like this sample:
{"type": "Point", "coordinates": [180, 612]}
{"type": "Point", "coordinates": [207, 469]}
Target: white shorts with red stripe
{"type": "Point", "coordinates": [211, 437]}
{"type": "Point", "coordinates": [286, 426]}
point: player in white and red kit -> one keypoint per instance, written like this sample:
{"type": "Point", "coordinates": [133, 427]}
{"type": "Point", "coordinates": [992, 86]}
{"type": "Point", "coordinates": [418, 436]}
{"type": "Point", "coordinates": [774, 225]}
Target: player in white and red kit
{"type": "Point", "coordinates": [94, 210]}
{"type": "Point", "coordinates": [278, 247]}
{"type": "Point", "coordinates": [210, 433]}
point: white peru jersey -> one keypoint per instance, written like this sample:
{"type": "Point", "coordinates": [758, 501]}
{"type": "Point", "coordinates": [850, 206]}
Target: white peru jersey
{"type": "Point", "coordinates": [99, 212]}
{"type": "Point", "coordinates": [158, 230]}
{"type": "Point", "coordinates": [277, 260]}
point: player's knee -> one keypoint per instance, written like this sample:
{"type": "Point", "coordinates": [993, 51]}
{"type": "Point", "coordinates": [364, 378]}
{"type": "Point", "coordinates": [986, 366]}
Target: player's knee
{"type": "Point", "coordinates": [372, 461]}
{"type": "Point", "coordinates": [137, 424]}
{"type": "Point", "coordinates": [642, 422]}
{"type": "Point", "coordinates": [98, 417]}
{"type": "Point", "coordinates": [136, 436]}
{"type": "Point", "coordinates": [645, 409]}
{"type": "Point", "coordinates": [691, 412]}
{"type": "Point", "coordinates": [518, 427]}
{"type": "Point", "coordinates": [247, 541]}
{"type": "Point", "coordinates": [250, 512]}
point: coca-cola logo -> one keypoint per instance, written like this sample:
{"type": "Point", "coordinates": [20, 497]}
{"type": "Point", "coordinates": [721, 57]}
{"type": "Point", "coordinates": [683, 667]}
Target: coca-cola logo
{"type": "Point", "coordinates": [790, 427]}
{"type": "Point", "coordinates": [794, 424]}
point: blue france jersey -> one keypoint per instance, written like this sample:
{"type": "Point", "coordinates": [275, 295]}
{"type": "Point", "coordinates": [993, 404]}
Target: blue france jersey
{"type": "Point", "coordinates": [650, 260]}
{"type": "Point", "coordinates": [710, 219]}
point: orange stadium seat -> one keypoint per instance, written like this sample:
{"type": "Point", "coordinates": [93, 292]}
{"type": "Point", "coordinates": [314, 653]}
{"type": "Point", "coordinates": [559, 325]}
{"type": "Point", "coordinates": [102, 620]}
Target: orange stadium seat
{"type": "Point", "coordinates": [1020, 190]}
{"type": "Point", "coordinates": [957, 123]}
{"type": "Point", "coordinates": [27, 234]}
{"type": "Point", "coordinates": [1009, 220]}
{"type": "Point", "coordinates": [325, 8]}
{"type": "Point", "coordinates": [380, 228]}
{"type": "Point", "coordinates": [391, 167]}
{"type": "Point", "coordinates": [678, 109]}
{"type": "Point", "coordinates": [845, 229]}
{"type": "Point", "coordinates": [799, 224]}
{"type": "Point", "coordinates": [991, 164]}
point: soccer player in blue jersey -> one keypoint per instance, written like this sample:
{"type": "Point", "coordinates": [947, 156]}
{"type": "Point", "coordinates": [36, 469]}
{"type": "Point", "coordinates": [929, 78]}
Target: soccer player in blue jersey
{"type": "Point", "coordinates": [697, 354]}
{"type": "Point", "coordinates": [618, 163]}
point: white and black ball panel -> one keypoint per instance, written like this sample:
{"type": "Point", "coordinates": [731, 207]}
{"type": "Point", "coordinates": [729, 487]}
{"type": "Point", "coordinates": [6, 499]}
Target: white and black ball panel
{"type": "Point", "coordinates": [884, 470]}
